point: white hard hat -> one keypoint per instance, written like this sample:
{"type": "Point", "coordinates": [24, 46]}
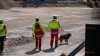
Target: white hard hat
{"type": "Point", "coordinates": [55, 15]}
{"type": "Point", "coordinates": [37, 17]}
{"type": "Point", "coordinates": [1, 18]}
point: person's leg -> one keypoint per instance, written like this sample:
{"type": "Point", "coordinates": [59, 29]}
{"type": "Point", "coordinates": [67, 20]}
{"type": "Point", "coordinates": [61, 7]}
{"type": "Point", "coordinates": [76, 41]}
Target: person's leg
{"type": "Point", "coordinates": [1, 44]}
{"type": "Point", "coordinates": [56, 40]}
{"type": "Point", "coordinates": [52, 40]}
{"type": "Point", "coordinates": [40, 44]}
{"type": "Point", "coordinates": [36, 42]}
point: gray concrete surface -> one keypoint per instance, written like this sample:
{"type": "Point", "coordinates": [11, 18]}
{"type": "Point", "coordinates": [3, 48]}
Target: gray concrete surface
{"type": "Point", "coordinates": [72, 19]}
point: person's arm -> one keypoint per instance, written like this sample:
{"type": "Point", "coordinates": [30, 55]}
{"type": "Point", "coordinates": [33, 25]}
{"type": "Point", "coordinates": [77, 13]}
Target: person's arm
{"type": "Point", "coordinates": [43, 28]}
{"type": "Point", "coordinates": [33, 28]}
{"type": "Point", "coordinates": [5, 31]}
{"type": "Point", "coordinates": [49, 25]}
{"type": "Point", "coordinates": [60, 26]}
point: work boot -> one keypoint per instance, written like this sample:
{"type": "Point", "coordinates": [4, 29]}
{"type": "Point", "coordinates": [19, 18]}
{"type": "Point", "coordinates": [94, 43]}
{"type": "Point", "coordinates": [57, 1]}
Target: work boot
{"type": "Point", "coordinates": [39, 49]}
{"type": "Point", "coordinates": [56, 46]}
{"type": "Point", "coordinates": [51, 47]}
{"type": "Point", "coordinates": [34, 49]}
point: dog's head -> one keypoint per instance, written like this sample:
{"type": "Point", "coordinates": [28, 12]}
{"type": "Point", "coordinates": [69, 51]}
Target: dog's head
{"type": "Point", "coordinates": [68, 34]}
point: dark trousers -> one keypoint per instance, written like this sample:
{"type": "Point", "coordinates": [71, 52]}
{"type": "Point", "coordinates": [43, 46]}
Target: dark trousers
{"type": "Point", "coordinates": [1, 43]}
{"type": "Point", "coordinates": [54, 37]}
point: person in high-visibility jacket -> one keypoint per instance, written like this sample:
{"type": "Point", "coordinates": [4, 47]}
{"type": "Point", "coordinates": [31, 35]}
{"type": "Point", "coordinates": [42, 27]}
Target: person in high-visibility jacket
{"type": "Point", "coordinates": [3, 32]}
{"type": "Point", "coordinates": [38, 31]}
{"type": "Point", "coordinates": [54, 26]}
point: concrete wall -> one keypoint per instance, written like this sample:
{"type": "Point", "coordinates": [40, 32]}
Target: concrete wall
{"type": "Point", "coordinates": [6, 4]}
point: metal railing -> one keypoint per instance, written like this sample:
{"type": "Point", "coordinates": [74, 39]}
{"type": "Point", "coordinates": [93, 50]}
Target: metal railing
{"type": "Point", "coordinates": [76, 50]}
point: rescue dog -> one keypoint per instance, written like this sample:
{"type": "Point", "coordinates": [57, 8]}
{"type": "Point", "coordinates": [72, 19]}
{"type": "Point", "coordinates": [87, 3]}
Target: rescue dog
{"type": "Point", "coordinates": [65, 38]}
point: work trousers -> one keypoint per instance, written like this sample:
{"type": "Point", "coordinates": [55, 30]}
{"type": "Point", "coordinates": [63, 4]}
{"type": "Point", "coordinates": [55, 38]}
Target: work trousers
{"type": "Point", "coordinates": [54, 37]}
{"type": "Point", "coordinates": [38, 41]}
{"type": "Point", "coordinates": [1, 43]}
